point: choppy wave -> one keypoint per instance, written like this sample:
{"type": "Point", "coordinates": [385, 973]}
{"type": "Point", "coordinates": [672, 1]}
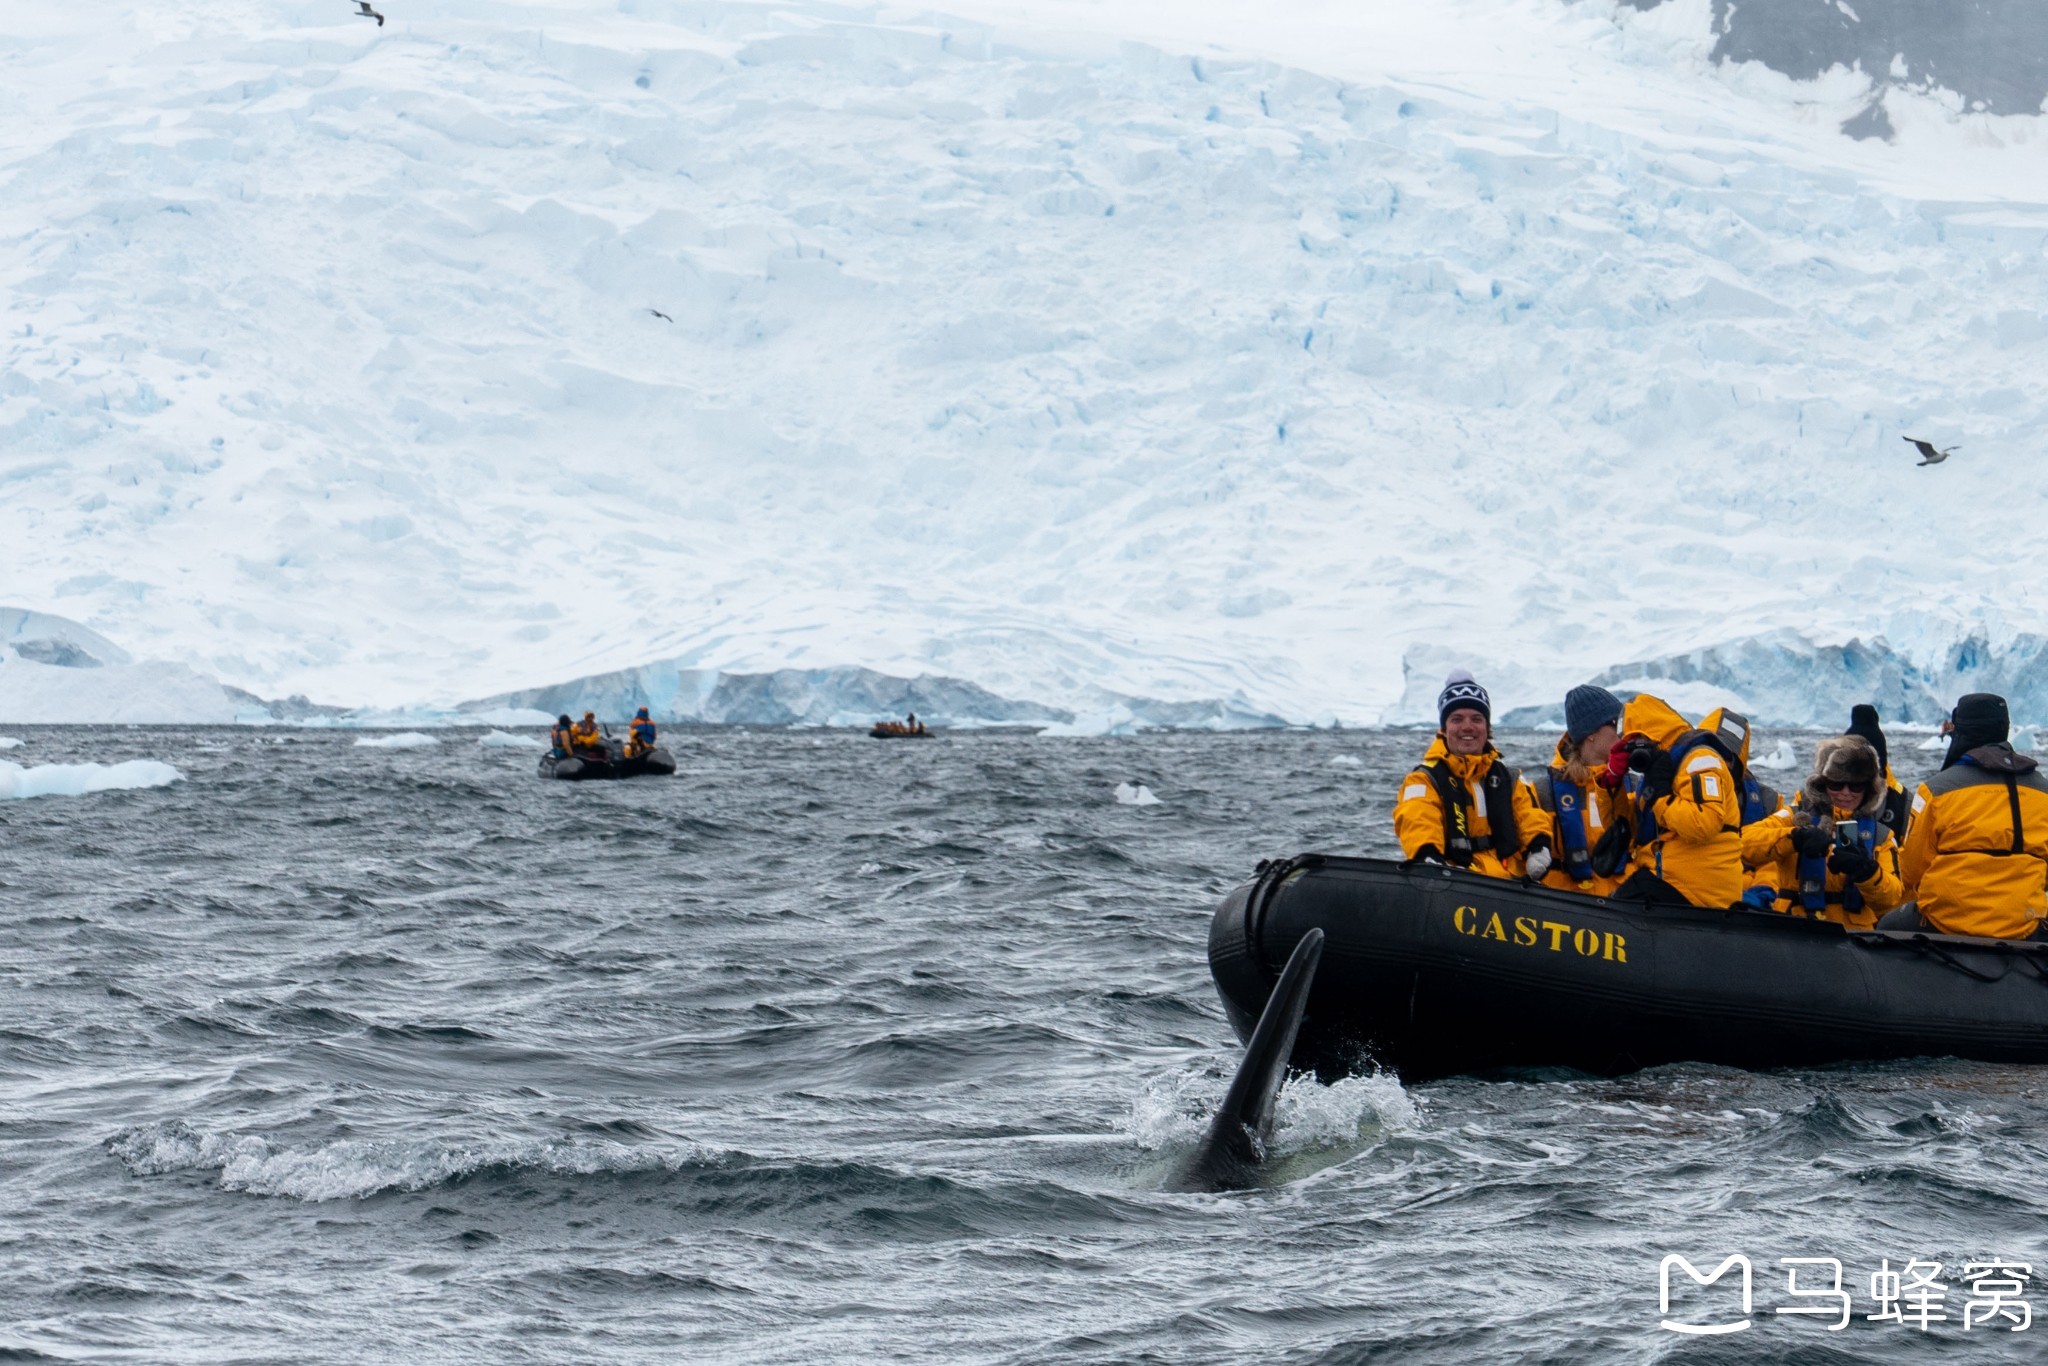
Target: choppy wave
{"type": "Point", "coordinates": [498, 739]}
{"type": "Point", "coordinates": [358, 1168]}
{"type": "Point", "coordinates": [75, 780]}
{"type": "Point", "coordinates": [411, 739]}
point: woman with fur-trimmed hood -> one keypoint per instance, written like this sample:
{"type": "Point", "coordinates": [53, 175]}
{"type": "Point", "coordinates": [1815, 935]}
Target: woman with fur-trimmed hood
{"type": "Point", "coordinates": [1829, 855]}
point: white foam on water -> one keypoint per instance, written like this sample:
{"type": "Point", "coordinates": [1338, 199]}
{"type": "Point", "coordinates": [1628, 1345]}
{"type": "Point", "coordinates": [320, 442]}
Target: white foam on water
{"type": "Point", "coordinates": [75, 780]}
{"type": "Point", "coordinates": [1780, 758]}
{"type": "Point", "coordinates": [1933, 742]}
{"type": "Point", "coordinates": [357, 1168]}
{"type": "Point", "coordinates": [1311, 1116]}
{"type": "Point", "coordinates": [1175, 1111]}
{"type": "Point", "coordinates": [1140, 795]}
{"type": "Point", "coordinates": [498, 739]}
{"type": "Point", "coordinates": [411, 739]}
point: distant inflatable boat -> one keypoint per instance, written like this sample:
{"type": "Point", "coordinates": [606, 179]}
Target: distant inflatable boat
{"type": "Point", "coordinates": [656, 763]}
{"type": "Point", "coordinates": [1433, 972]}
{"type": "Point", "coordinates": [896, 730]}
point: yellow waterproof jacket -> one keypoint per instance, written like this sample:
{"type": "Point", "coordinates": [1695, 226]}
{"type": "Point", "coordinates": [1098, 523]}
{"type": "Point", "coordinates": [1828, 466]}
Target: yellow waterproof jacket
{"type": "Point", "coordinates": [1777, 863]}
{"type": "Point", "coordinates": [1968, 865]}
{"type": "Point", "coordinates": [585, 735]}
{"type": "Point", "coordinates": [1600, 811]}
{"type": "Point", "coordinates": [1691, 837]}
{"type": "Point", "coordinates": [1423, 819]}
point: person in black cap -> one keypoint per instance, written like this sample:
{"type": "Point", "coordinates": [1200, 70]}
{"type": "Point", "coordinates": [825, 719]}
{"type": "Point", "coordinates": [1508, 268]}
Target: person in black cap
{"type": "Point", "coordinates": [1976, 856]}
{"type": "Point", "coordinates": [1863, 722]}
{"type": "Point", "coordinates": [1464, 806]}
{"type": "Point", "coordinates": [1586, 804]}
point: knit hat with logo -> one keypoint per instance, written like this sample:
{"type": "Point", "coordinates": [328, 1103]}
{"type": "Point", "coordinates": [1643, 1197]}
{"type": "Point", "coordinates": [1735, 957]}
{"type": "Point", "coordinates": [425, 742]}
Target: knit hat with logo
{"type": "Point", "coordinates": [1461, 691]}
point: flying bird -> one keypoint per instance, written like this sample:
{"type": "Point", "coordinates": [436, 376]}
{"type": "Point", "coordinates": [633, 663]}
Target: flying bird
{"type": "Point", "coordinates": [1928, 455]}
{"type": "Point", "coordinates": [363, 8]}
{"type": "Point", "coordinates": [661, 315]}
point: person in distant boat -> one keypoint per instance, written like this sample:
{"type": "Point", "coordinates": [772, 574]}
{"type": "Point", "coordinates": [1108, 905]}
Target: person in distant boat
{"type": "Point", "coordinates": [1587, 805]}
{"type": "Point", "coordinates": [640, 735]}
{"type": "Point", "coordinates": [1830, 855]}
{"type": "Point", "coordinates": [1463, 805]}
{"type": "Point", "coordinates": [562, 738]}
{"type": "Point", "coordinates": [1897, 812]}
{"type": "Point", "coordinates": [1687, 805]}
{"type": "Point", "coordinates": [1976, 854]}
{"type": "Point", "coordinates": [586, 738]}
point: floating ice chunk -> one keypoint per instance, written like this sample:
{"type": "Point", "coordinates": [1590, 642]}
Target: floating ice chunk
{"type": "Point", "coordinates": [2021, 739]}
{"type": "Point", "coordinates": [498, 739]}
{"type": "Point", "coordinates": [9, 742]}
{"type": "Point", "coordinates": [1141, 795]}
{"type": "Point", "coordinates": [1346, 761]}
{"type": "Point", "coordinates": [75, 780]}
{"type": "Point", "coordinates": [1934, 742]}
{"type": "Point", "coordinates": [410, 739]}
{"type": "Point", "coordinates": [1780, 758]}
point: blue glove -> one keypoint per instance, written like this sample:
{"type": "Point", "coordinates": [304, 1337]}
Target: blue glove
{"type": "Point", "coordinates": [1763, 898]}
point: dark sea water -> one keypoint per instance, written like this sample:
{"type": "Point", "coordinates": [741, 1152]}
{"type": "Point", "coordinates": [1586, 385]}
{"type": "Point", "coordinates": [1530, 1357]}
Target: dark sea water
{"type": "Point", "coordinates": [840, 1050]}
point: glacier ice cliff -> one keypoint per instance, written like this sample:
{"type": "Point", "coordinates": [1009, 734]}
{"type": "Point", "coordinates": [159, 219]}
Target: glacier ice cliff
{"type": "Point", "coordinates": [1169, 349]}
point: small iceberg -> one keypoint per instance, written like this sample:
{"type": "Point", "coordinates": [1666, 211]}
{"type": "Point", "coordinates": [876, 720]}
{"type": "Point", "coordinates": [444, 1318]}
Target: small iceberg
{"type": "Point", "coordinates": [1346, 761]}
{"type": "Point", "coordinates": [1141, 795]}
{"type": "Point", "coordinates": [1780, 758]}
{"type": "Point", "coordinates": [498, 739]}
{"type": "Point", "coordinates": [2021, 738]}
{"type": "Point", "coordinates": [9, 742]}
{"type": "Point", "coordinates": [75, 780]}
{"type": "Point", "coordinates": [1934, 742]}
{"type": "Point", "coordinates": [411, 739]}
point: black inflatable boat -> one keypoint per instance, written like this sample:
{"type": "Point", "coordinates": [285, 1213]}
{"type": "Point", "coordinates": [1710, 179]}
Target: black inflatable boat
{"type": "Point", "coordinates": [1433, 971]}
{"type": "Point", "coordinates": [656, 763]}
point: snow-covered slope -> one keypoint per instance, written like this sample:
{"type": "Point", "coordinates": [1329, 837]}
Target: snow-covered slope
{"type": "Point", "coordinates": [1182, 351]}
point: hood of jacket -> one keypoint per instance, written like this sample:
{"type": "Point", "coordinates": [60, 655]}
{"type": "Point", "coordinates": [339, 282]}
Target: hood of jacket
{"type": "Point", "coordinates": [1654, 719]}
{"type": "Point", "coordinates": [2000, 758]}
{"type": "Point", "coordinates": [1722, 722]}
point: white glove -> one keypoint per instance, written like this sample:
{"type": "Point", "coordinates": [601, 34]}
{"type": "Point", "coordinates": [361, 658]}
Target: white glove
{"type": "Point", "coordinates": [1538, 863]}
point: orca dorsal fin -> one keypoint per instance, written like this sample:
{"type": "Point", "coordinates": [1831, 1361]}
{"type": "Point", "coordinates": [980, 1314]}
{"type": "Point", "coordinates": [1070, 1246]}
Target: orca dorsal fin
{"type": "Point", "coordinates": [1233, 1153]}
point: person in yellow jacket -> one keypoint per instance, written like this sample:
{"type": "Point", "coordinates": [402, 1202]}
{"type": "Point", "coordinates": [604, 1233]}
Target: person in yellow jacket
{"type": "Point", "coordinates": [585, 737]}
{"type": "Point", "coordinates": [1586, 803]}
{"type": "Point", "coordinates": [1463, 805]}
{"type": "Point", "coordinates": [1830, 855]}
{"type": "Point", "coordinates": [1976, 855]}
{"type": "Point", "coordinates": [640, 735]}
{"type": "Point", "coordinates": [1688, 805]}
